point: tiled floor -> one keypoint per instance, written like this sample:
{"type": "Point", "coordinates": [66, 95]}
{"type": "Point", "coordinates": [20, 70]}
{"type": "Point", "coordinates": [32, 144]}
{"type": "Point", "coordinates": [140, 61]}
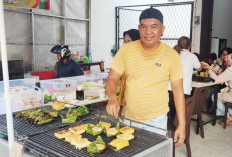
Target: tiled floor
{"type": "Point", "coordinates": [217, 142]}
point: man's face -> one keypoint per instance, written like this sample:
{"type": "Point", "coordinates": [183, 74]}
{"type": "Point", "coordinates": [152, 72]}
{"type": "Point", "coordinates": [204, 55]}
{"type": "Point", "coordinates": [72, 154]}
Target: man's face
{"type": "Point", "coordinates": [224, 54]}
{"type": "Point", "coordinates": [59, 56]}
{"type": "Point", "coordinates": [127, 38]}
{"type": "Point", "coordinates": [150, 31]}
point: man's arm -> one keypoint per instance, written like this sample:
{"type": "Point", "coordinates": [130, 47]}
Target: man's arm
{"type": "Point", "coordinates": [112, 107]}
{"type": "Point", "coordinates": [178, 94]}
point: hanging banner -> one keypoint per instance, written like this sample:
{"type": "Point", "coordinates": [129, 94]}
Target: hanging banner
{"type": "Point", "coordinates": [37, 4]}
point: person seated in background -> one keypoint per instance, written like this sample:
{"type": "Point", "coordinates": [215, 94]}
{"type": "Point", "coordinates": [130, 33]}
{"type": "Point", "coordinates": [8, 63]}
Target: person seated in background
{"type": "Point", "coordinates": [218, 66]}
{"type": "Point", "coordinates": [66, 67]}
{"type": "Point", "coordinates": [212, 58]}
{"type": "Point", "coordinates": [226, 96]}
{"type": "Point", "coordinates": [131, 35]}
{"type": "Point", "coordinates": [189, 62]}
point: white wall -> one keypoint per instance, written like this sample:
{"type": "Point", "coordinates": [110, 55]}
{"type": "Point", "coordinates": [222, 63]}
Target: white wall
{"type": "Point", "coordinates": [103, 26]}
{"type": "Point", "coordinates": [222, 20]}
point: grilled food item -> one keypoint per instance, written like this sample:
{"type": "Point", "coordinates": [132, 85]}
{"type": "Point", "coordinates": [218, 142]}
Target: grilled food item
{"type": "Point", "coordinates": [106, 125]}
{"type": "Point", "coordinates": [97, 146]}
{"type": "Point", "coordinates": [113, 131]}
{"type": "Point", "coordinates": [62, 134]}
{"type": "Point", "coordinates": [126, 136]}
{"type": "Point", "coordinates": [78, 129]}
{"type": "Point", "coordinates": [127, 129]}
{"type": "Point", "coordinates": [73, 138]}
{"type": "Point", "coordinates": [82, 143]}
{"type": "Point", "coordinates": [37, 117]}
{"type": "Point", "coordinates": [119, 143]}
{"type": "Point", "coordinates": [58, 106]}
{"type": "Point", "coordinates": [96, 130]}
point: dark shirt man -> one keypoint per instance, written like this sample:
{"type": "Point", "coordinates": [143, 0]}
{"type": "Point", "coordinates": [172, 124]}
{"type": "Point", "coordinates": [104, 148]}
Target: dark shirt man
{"type": "Point", "coordinates": [68, 69]}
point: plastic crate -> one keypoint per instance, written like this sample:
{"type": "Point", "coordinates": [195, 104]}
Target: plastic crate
{"type": "Point", "coordinates": [58, 87]}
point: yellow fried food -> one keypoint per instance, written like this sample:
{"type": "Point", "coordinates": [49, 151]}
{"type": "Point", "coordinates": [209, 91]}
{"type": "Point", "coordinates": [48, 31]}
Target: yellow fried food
{"type": "Point", "coordinates": [106, 125]}
{"type": "Point", "coordinates": [127, 129]}
{"type": "Point", "coordinates": [58, 106]}
{"type": "Point", "coordinates": [126, 136]}
{"type": "Point", "coordinates": [119, 143]}
{"type": "Point", "coordinates": [62, 134]}
{"type": "Point", "coordinates": [82, 143]}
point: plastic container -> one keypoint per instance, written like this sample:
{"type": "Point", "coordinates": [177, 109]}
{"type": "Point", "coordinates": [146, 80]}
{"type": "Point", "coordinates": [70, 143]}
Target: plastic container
{"type": "Point", "coordinates": [22, 98]}
{"type": "Point", "coordinates": [59, 87]}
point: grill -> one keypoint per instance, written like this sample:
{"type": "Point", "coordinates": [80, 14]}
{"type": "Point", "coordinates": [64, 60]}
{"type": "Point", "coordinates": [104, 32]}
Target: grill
{"type": "Point", "coordinates": [23, 128]}
{"type": "Point", "coordinates": [48, 145]}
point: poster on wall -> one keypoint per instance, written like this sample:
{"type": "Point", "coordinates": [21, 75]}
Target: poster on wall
{"type": "Point", "coordinates": [36, 4]}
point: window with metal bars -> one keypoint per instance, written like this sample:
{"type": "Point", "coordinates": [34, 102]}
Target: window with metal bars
{"type": "Point", "coordinates": [177, 20]}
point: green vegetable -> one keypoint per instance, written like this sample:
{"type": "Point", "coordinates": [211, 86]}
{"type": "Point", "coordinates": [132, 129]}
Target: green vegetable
{"type": "Point", "coordinates": [89, 130]}
{"type": "Point", "coordinates": [69, 120]}
{"type": "Point", "coordinates": [99, 140]}
{"type": "Point", "coordinates": [118, 125]}
{"type": "Point", "coordinates": [53, 114]}
{"type": "Point", "coordinates": [92, 148]}
{"type": "Point", "coordinates": [47, 98]}
{"type": "Point", "coordinates": [96, 132]}
{"type": "Point", "coordinates": [44, 121]}
{"type": "Point", "coordinates": [83, 110]}
{"type": "Point", "coordinates": [99, 124]}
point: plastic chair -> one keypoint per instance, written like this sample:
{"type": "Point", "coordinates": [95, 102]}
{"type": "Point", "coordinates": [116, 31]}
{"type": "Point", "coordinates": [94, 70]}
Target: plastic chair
{"type": "Point", "coordinates": [173, 122]}
{"type": "Point", "coordinates": [227, 106]}
{"type": "Point", "coordinates": [199, 99]}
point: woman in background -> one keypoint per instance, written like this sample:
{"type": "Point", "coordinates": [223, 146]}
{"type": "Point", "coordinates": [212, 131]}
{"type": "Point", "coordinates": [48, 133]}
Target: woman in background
{"type": "Point", "coordinates": [226, 96]}
{"type": "Point", "coordinates": [129, 36]}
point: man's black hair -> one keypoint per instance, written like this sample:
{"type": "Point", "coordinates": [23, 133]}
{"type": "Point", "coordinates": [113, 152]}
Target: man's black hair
{"type": "Point", "coordinates": [133, 33]}
{"type": "Point", "coordinates": [151, 13]}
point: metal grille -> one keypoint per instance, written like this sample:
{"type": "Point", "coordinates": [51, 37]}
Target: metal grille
{"type": "Point", "coordinates": [177, 20]}
{"type": "Point", "coordinates": [23, 128]}
{"type": "Point", "coordinates": [47, 145]}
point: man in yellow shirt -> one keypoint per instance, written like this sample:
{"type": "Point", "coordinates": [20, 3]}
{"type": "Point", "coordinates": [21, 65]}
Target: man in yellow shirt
{"type": "Point", "coordinates": [148, 65]}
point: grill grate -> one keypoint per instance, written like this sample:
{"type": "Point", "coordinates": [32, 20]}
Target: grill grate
{"type": "Point", "coordinates": [48, 145]}
{"type": "Point", "coordinates": [23, 128]}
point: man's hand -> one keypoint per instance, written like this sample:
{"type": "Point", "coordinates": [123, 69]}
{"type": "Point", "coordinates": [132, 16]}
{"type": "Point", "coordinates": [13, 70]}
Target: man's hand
{"type": "Point", "coordinates": [113, 108]}
{"type": "Point", "coordinates": [179, 136]}
{"type": "Point", "coordinates": [123, 111]}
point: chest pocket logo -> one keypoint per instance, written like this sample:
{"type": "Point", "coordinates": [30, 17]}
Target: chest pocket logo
{"type": "Point", "coordinates": [157, 64]}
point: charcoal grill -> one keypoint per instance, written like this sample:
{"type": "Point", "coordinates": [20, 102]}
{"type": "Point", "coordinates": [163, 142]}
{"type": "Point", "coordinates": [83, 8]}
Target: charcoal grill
{"type": "Point", "coordinates": [23, 128]}
{"type": "Point", "coordinates": [47, 144]}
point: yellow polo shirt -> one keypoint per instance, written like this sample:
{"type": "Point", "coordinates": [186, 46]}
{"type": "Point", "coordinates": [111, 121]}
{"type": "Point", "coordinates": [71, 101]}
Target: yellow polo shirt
{"type": "Point", "coordinates": [147, 73]}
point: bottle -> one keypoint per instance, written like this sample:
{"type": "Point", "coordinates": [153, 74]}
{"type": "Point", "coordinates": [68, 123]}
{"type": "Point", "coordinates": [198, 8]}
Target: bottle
{"type": "Point", "coordinates": [102, 66]}
{"type": "Point", "coordinates": [79, 93]}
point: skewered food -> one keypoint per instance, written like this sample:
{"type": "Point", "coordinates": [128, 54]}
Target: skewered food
{"type": "Point", "coordinates": [127, 129]}
{"type": "Point", "coordinates": [119, 143]}
{"type": "Point", "coordinates": [62, 134]}
{"type": "Point", "coordinates": [97, 146]}
{"type": "Point", "coordinates": [126, 136]}
{"type": "Point", "coordinates": [82, 143]}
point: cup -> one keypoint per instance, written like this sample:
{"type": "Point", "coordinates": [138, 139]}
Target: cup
{"type": "Point", "coordinates": [202, 74]}
{"type": "Point", "coordinates": [102, 93]}
{"type": "Point", "coordinates": [80, 93]}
